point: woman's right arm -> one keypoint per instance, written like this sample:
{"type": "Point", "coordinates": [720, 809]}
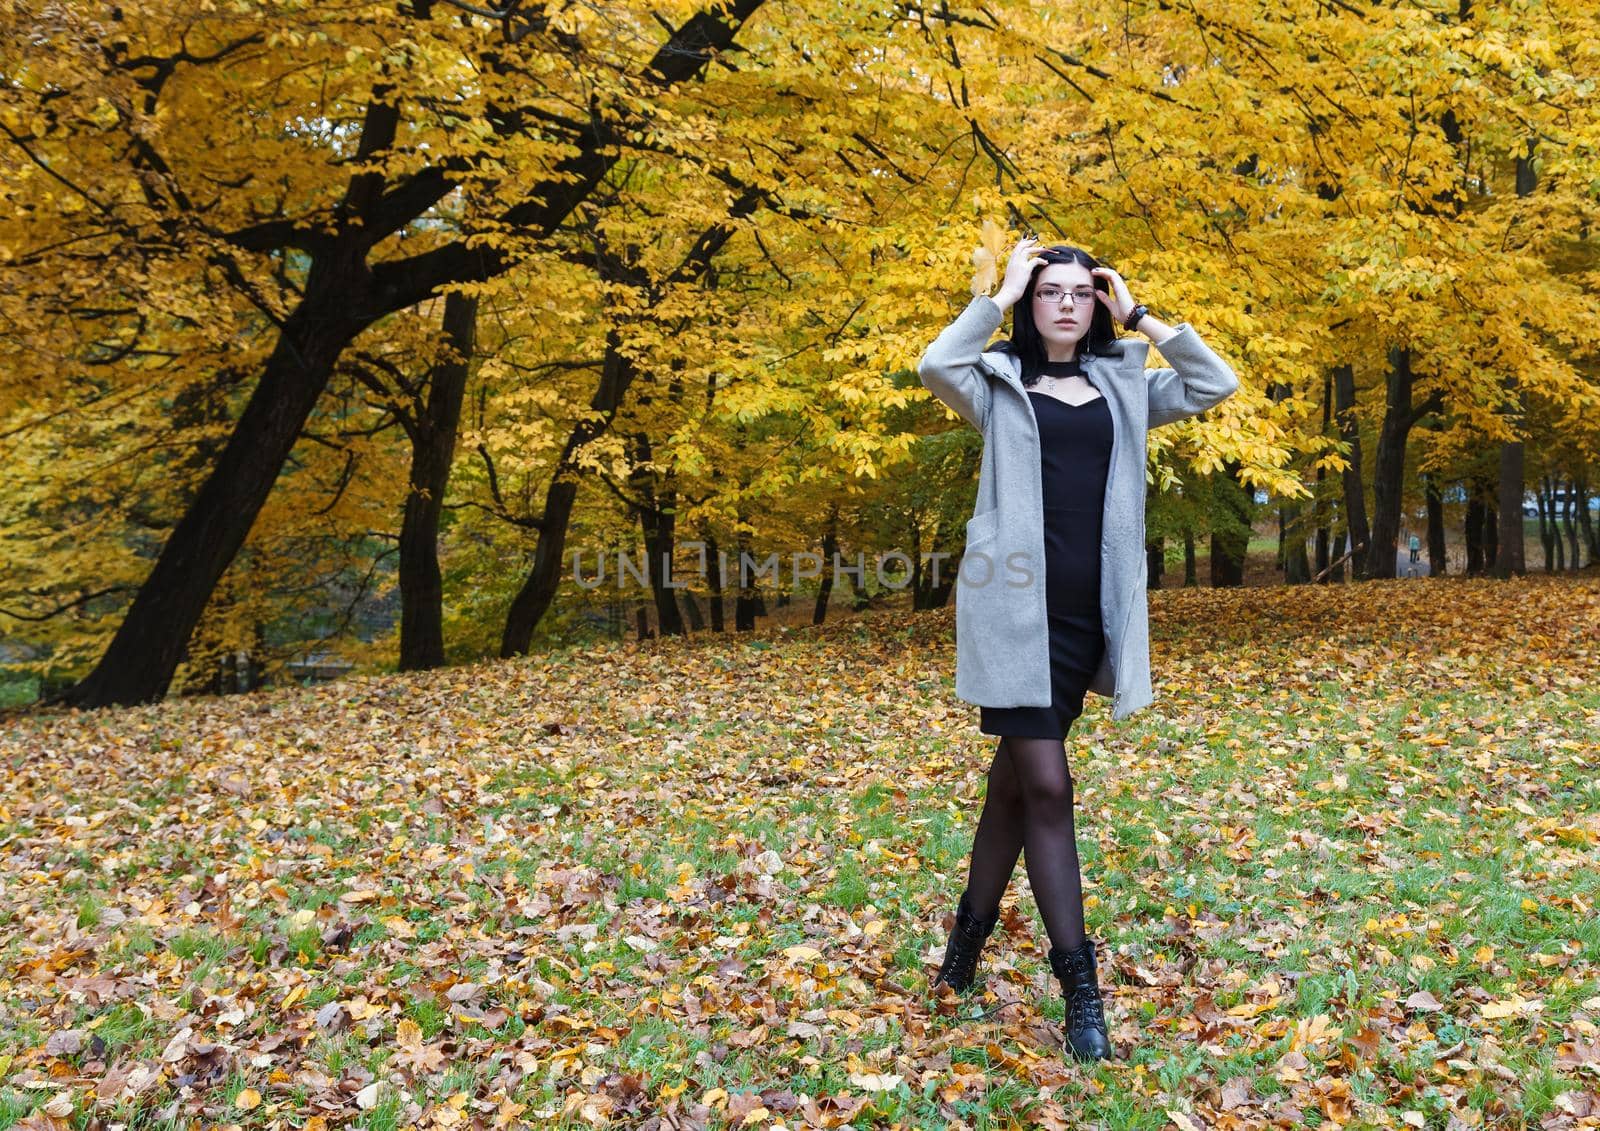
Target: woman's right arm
{"type": "Point", "coordinates": [949, 367]}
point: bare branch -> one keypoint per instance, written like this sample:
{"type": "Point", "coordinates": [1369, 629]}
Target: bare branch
{"type": "Point", "coordinates": [87, 597]}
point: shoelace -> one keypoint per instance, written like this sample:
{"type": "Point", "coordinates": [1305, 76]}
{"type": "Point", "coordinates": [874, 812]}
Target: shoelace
{"type": "Point", "coordinates": [962, 969]}
{"type": "Point", "coordinates": [1087, 1008]}
{"type": "Point", "coordinates": [962, 960]}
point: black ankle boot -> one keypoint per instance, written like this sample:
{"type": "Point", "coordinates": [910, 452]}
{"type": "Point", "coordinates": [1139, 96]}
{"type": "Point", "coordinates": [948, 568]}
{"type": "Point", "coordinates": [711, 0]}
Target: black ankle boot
{"type": "Point", "coordinates": [961, 951]}
{"type": "Point", "coordinates": [1085, 1023]}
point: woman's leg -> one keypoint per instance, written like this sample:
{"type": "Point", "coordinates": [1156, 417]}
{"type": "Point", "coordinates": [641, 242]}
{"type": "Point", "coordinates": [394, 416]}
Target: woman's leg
{"type": "Point", "coordinates": [998, 841]}
{"type": "Point", "coordinates": [1050, 836]}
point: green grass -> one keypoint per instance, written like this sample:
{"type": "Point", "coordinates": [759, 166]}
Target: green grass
{"type": "Point", "coordinates": [1315, 824]}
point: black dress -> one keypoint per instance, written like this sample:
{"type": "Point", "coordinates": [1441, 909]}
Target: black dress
{"type": "Point", "coordinates": [1074, 459]}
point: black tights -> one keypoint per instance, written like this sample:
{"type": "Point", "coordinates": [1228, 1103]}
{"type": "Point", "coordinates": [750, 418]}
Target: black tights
{"type": "Point", "coordinates": [1029, 804]}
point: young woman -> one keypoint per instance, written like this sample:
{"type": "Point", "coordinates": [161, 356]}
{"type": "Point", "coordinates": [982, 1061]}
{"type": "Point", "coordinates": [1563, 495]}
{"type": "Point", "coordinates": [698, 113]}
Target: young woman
{"type": "Point", "coordinates": [1050, 596]}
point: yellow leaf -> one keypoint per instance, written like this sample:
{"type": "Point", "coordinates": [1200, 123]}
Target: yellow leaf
{"type": "Point", "coordinates": [408, 1034]}
{"type": "Point", "coordinates": [986, 257]}
{"type": "Point", "coordinates": [360, 1008]}
{"type": "Point", "coordinates": [247, 1099]}
{"type": "Point", "coordinates": [1515, 1006]}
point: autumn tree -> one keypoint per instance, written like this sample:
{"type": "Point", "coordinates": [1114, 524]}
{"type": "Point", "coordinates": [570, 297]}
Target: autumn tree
{"type": "Point", "coordinates": [708, 245]}
{"type": "Point", "coordinates": [376, 136]}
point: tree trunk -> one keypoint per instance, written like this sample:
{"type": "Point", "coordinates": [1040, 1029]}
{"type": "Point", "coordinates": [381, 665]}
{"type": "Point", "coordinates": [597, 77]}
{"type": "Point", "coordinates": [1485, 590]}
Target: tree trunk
{"type": "Point", "coordinates": [1296, 569]}
{"type": "Point", "coordinates": [1437, 565]}
{"type": "Point", "coordinates": [919, 572]}
{"type": "Point", "coordinates": [1337, 572]}
{"type": "Point", "coordinates": [830, 547]}
{"type": "Point", "coordinates": [1227, 564]}
{"type": "Point", "coordinates": [1585, 523]}
{"type": "Point", "coordinates": [1321, 506]}
{"type": "Point", "coordinates": [251, 676]}
{"type": "Point", "coordinates": [747, 601]}
{"type": "Point", "coordinates": [1323, 548]}
{"type": "Point", "coordinates": [1230, 528]}
{"type": "Point", "coordinates": [538, 589]}
{"type": "Point", "coordinates": [1553, 490]}
{"type": "Point", "coordinates": [1508, 558]}
{"type": "Point", "coordinates": [714, 578]}
{"type": "Point", "coordinates": [1568, 522]}
{"type": "Point", "coordinates": [691, 608]}
{"type": "Point", "coordinates": [1388, 476]}
{"type": "Point", "coordinates": [1291, 553]}
{"type": "Point", "coordinates": [945, 585]}
{"type": "Point", "coordinates": [1191, 575]}
{"type": "Point", "coordinates": [1509, 552]}
{"type": "Point", "coordinates": [1476, 515]}
{"type": "Point", "coordinates": [1277, 555]}
{"type": "Point", "coordinates": [1155, 558]}
{"type": "Point", "coordinates": [1545, 505]}
{"type": "Point", "coordinates": [655, 506]}
{"type": "Point", "coordinates": [1355, 501]}
{"type": "Point", "coordinates": [860, 595]}
{"type": "Point", "coordinates": [139, 663]}
{"type": "Point", "coordinates": [433, 445]}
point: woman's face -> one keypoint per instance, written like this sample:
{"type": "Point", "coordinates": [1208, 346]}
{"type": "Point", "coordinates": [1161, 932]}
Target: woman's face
{"type": "Point", "coordinates": [1062, 322]}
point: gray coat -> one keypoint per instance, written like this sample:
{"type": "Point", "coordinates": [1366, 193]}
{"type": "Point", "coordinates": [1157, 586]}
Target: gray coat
{"type": "Point", "coordinates": [1002, 633]}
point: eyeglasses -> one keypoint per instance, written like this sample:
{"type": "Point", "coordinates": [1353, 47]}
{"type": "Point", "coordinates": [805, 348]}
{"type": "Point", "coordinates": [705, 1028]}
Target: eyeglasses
{"type": "Point", "coordinates": [1083, 296]}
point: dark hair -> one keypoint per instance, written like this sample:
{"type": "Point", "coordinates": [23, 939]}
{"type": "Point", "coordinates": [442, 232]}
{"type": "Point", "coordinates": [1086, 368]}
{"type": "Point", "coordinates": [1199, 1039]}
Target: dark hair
{"type": "Point", "coordinates": [1025, 341]}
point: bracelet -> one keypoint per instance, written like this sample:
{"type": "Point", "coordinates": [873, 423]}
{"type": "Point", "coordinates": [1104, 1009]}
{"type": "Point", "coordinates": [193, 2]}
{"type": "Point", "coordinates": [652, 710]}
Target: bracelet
{"type": "Point", "coordinates": [1132, 321]}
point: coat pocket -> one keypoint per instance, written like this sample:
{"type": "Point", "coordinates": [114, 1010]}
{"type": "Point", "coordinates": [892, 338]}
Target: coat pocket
{"type": "Point", "coordinates": [981, 527]}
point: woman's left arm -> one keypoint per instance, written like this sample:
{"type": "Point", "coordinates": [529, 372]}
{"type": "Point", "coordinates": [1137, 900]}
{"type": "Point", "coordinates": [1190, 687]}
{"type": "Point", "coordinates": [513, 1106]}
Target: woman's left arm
{"type": "Point", "coordinates": [1201, 379]}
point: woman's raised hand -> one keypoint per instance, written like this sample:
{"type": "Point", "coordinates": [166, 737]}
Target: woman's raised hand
{"type": "Point", "coordinates": [1119, 302]}
{"type": "Point", "coordinates": [1019, 269]}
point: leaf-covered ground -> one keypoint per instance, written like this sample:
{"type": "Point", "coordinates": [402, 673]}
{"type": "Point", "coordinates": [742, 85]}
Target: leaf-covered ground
{"type": "Point", "coordinates": [1344, 872]}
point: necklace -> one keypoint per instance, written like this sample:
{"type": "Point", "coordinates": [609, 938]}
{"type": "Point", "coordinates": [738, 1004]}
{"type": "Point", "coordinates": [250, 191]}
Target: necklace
{"type": "Point", "coordinates": [1049, 383]}
{"type": "Point", "coordinates": [1054, 377]}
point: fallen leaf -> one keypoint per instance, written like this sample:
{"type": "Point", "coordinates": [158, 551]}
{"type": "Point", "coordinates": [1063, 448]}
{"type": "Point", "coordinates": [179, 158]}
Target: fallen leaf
{"type": "Point", "coordinates": [247, 1099]}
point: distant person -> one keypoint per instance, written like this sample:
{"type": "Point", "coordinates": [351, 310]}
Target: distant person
{"type": "Point", "coordinates": [1050, 596]}
{"type": "Point", "coordinates": [1415, 547]}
